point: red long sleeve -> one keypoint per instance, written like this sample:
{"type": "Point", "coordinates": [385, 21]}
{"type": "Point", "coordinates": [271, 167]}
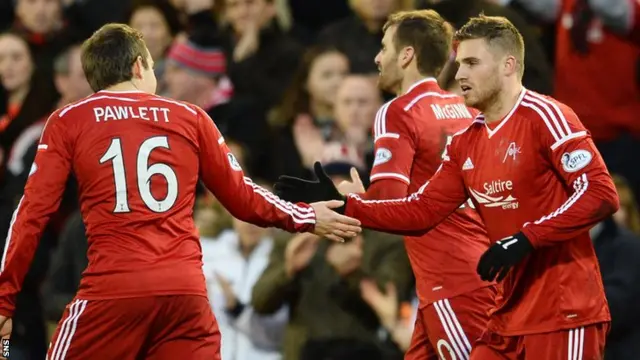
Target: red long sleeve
{"type": "Point", "coordinates": [418, 213]}
{"type": "Point", "coordinates": [42, 195]}
{"type": "Point", "coordinates": [245, 200]}
{"type": "Point", "coordinates": [594, 197]}
{"type": "Point", "coordinates": [386, 189]}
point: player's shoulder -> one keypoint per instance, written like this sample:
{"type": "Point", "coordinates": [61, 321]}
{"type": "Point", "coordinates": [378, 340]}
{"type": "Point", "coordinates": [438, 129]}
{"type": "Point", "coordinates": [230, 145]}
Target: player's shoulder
{"type": "Point", "coordinates": [177, 104]}
{"type": "Point", "coordinates": [468, 133]}
{"type": "Point", "coordinates": [106, 98]}
{"type": "Point", "coordinates": [390, 120]}
{"type": "Point", "coordinates": [533, 100]}
{"type": "Point", "coordinates": [417, 98]}
{"type": "Point", "coordinates": [549, 116]}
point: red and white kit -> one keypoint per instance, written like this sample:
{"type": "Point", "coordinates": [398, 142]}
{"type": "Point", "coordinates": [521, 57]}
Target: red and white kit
{"type": "Point", "coordinates": [411, 132]}
{"type": "Point", "coordinates": [536, 171]}
{"type": "Point", "coordinates": [137, 158]}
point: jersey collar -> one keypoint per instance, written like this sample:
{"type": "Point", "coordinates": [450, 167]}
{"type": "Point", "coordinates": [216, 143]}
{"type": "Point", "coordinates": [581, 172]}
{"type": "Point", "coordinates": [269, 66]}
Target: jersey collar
{"type": "Point", "coordinates": [491, 132]}
{"type": "Point", "coordinates": [423, 81]}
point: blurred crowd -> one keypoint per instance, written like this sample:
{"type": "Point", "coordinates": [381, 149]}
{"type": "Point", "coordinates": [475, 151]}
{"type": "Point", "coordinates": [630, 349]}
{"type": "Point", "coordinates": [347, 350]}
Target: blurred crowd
{"type": "Point", "coordinates": [288, 83]}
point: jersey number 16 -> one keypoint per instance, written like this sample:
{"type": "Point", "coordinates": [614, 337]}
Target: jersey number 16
{"type": "Point", "coordinates": [144, 172]}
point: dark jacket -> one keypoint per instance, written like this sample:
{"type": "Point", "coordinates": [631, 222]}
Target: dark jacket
{"type": "Point", "coordinates": [67, 264]}
{"type": "Point", "coordinates": [618, 251]}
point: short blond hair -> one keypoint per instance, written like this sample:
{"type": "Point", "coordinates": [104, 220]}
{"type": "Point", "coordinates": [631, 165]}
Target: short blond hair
{"type": "Point", "coordinates": [497, 31]}
{"type": "Point", "coordinates": [427, 33]}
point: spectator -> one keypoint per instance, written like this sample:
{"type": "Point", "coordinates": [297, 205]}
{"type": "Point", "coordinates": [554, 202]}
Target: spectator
{"type": "Point", "coordinates": [72, 86]}
{"type": "Point", "coordinates": [233, 262]}
{"type": "Point", "coordinates": [319, 282]}
{"type": "Point", "coordinates": [25, 94]}
{"type": "Point", "coordinates": [67, 264]}
{"type": "Point", "coordinates": [538, 73]}
{"type": "Point", "coordinates": [304, 119]}
{"type": "Point", "coordinates": [357, 101]}
{"type": "Point", "coordinates": [51, 26]}
{"type": "Point", "coordinates": [159, 23]}
{"type": "Point", "coordinates": [397, 317]}
{"type": "Point", "coordinates": [260, 53]}
{"type": "Point", "coordinates": [628, 216]}
{"type": "Point", "coordinates": [196, 72]}
{"type": "Point", "coordinates": [618, 250]}
{"type": "Point", "coordinates": [359, 36]}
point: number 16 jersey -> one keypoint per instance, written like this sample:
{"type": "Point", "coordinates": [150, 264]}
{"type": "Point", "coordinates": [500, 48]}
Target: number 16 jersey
{"type": "Point", "coordinates": [137, 158]}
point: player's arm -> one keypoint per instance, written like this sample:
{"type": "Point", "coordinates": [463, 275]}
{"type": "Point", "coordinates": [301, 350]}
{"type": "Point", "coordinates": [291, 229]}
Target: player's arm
{"type": "Point", "coordinates": [574, 157]}
{"type": "Point", "coordinates": [395, 147]}
{"type": "Point", "coordinates": [422, 210]}
{"type": "Point", "coordinates": [42, 194]}
{"type": "Point", "coordinates": [246, 201]}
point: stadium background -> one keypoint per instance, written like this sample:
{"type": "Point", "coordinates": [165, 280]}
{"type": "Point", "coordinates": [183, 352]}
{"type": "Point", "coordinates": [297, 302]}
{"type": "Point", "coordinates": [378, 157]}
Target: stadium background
{"type": "Point", "coordinates": [289, 82]}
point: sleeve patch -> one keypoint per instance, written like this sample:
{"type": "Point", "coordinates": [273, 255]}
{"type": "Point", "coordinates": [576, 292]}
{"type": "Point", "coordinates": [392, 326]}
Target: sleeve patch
{"type": "Point", "coordinates": [383, 155]}
{"type": "Point", "coordinates": [576, 160]}
{"type": "Point", "coordinates": [235, 165]}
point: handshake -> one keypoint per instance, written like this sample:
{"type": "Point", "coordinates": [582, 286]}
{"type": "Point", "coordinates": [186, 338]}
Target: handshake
{"type": "Point", "coordinates": [327, 201]}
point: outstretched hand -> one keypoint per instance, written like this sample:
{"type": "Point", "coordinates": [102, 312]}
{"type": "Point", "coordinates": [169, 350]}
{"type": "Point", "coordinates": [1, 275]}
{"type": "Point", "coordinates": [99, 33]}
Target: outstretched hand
{"type": "Point", "coordinates": [332, 225]}
{"type": "Point", "coordinates": [295, 190]}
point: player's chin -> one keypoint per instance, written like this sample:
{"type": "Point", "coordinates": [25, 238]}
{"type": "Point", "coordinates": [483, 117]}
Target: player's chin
{"type": "Point", "coordinates": [469, 99]}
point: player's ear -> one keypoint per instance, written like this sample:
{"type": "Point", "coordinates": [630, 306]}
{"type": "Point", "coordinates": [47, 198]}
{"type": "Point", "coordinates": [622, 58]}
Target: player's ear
{"type": "Point", "coordinates": [137, 68]}
{"type": "Point", "coordinates": [510, 65]}
{"type": "Point", "coordinates": [407, 54]}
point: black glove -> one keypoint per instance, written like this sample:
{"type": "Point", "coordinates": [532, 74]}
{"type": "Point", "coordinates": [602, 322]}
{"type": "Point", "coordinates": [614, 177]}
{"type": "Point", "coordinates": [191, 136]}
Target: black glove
{"type": "Point", "coordinates": [295, 190]}
{"type": "Point", "coordinates": [502, 256]}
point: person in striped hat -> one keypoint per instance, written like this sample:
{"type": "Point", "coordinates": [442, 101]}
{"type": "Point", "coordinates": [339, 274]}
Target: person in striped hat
{"type": "Point", "coordinates": [196, 72]}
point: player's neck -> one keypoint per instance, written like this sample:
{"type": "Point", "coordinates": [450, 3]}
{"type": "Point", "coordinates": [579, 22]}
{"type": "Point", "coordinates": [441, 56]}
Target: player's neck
{"type": "Point", "coordinates": [503, 104]}
{"type": "Point", "coordinates": [409, 80]}
{"type": "Point", "coordinates": [123, 86]}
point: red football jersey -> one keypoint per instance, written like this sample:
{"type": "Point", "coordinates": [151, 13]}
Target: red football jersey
{"type": "Point", "coordinates": [137, 158]}
{"type": "Point", "coordinates": [536, 171]}
{"type": "Point", "coordinates": [410, 134]}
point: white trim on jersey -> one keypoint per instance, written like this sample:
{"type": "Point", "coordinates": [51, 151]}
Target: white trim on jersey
{"type": "Point", "coordinates": [575, 135]}
{"type": "Point", "coordinates": [509, 115]}
{"type": "Point", "coordinates": [299, 214]}
{"type": "Point", "coordinates": [553, 118]}
{"type": "Point", "coordinates": [580, 186]}
{"type": "Point", "coordinates": [88, 100]}
{"type": "Point", "coordinates": [389, 175]}
{"type": "Point", "coordinates": [67, 330]}
{"type": "Point", "coordinates": [424, 95]}
{"type": "Point", "coordinates": [425, 80]}
{"type": "Point", "coordinates": [380, 124]}
{"type": "Point", "coordinates": [576, 344]}
{"type": "Point", "coordinates": [122, 92]}
{"type": "Point", "coordinates": [7, 241]}
{"type": "Point", "coordinates": [453, 329]}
